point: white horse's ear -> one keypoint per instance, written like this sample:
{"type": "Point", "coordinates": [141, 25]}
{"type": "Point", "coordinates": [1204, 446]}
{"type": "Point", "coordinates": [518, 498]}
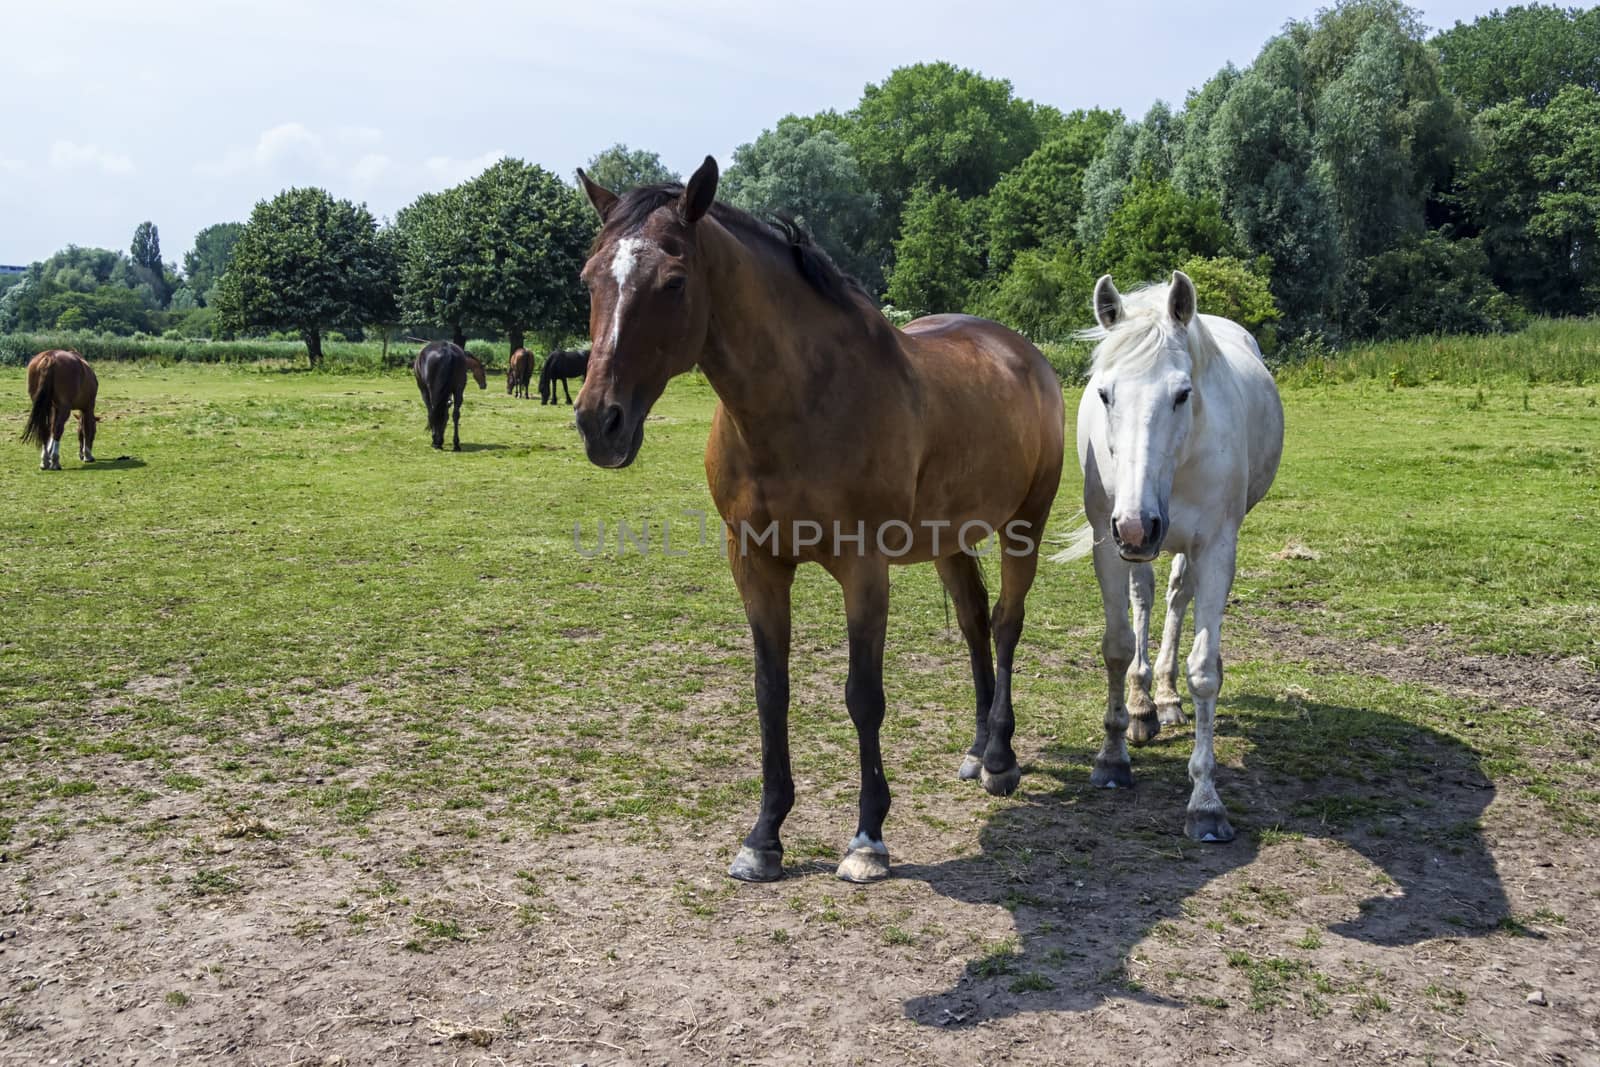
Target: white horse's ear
{"type": "Point", "coordinates": [1181, 298]}
{"type": "Point", "coordinates": [1107, 302]}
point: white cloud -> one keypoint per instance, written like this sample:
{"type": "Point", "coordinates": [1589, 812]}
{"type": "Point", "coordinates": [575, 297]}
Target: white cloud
{"type": "Point", "coordinates": [370, 168]}
{"type": "Point", "coordinates": [69, 155]}
{"type": "Point", "coordinates": [10, 166]}
{"type": "Point", "coordinates": [449, 171]}
{"type": "Point", "coordinates": [286, 141]}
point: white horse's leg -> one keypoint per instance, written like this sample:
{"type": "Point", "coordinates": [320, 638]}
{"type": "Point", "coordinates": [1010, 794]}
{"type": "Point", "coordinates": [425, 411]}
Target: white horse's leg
{"type": "Point", "coordinates": [1207, 820]}
{"type": "Point", "coordinates": [1180, 589]}
{"type": "Point", "coordinates": [1111, 767]}
{"type": "Point", "coordinates": [1143, 725]}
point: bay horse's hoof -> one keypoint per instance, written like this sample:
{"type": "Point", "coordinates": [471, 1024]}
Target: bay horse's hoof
{"type": "Point", "coordinates": [1211, 826]}
{"type": "Point", "coordinates": [1003, 784]}
{"type": "Point", "coordinates": [753, 866]}
{"type": "Point", "coordinates": [971, 767]}
{"type": "Point", "coordinates": [1109, 775]}
{"type": "Point", "coordinates": [865, 864]}
{"type": "Point", "coordinates": [1170, 714]}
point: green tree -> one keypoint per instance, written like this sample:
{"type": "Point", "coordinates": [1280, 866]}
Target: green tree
{"type": "Point", "coordinates": [936, 262]}
{"type": "Point", "coordinates": [146, 253]}
{"type": "Point", "coordinates": [1430, 284]}
{"type": "Point", "coordinates": [1525, 54]}
{"type": "Point", "coordinates": [936, 125]}
{"type": "Point", "coordinates": [1037, 203]}
{"type": "Point", "coordinates": [205, 263]}
{"type": "Point", "coordinates": [305, 262]}
{"type": "Point", "coordinates": [809, 174]}
{"type": "Point", "coordinates": [1044, 296]}
{"type": "Point", "coordinates": [620, 168]}
{"type": "Point", "coordinates": [528, 237]}
{"type": "Point", "coordinates": [1146, 150]}
{"type": "Point", "coordinates": [1156, 228]}
{"type": "Point", "coordinates": [1233, 289]}
{"type": "Point", "coordinates": [1533, 193]}
{"type": "Point", "coordinates": [434, 247]}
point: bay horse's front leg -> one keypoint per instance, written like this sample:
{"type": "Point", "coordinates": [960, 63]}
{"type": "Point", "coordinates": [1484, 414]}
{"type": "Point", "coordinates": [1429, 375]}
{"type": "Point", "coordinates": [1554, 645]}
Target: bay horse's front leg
{"type": "Point", "coordinates": [764, 585]}
{"type": "Point", "coordinates": [866, 605]}
{"type": "Point", "coordinates": [1143, 723]}
{"type": "Point", "coordinates": [86, 424]}
{"type": "Point", "coordinates": [963, 579]}
{"type": "Point", "coordinates": [455, 423]}
{"type": "Point", "coordinates": [1112, 769]}
{"type": "Point", "coordinates": [1180, 590]}
{"type": "Point", "coordinates": [1207, 819]}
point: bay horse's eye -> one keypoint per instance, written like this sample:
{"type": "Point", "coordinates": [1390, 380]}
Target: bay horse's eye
{"type": "Point", "coordinates": [1183, 394]}
{"type": "Point", "coordinates": [1105, 398]}
{"type": "Point", "coordinates": [675, 284]}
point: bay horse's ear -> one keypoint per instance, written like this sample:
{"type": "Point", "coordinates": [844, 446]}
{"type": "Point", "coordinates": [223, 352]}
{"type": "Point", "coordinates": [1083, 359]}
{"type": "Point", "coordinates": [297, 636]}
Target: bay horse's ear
{"type": "Point", "coordinates": [602, 198]}
{"type": "Point", "coordinates": [700, 192]}
{"type": "Point", "coordinates": [1181, 298]}
{"type": "Point", "coordinates": [1107, 302]}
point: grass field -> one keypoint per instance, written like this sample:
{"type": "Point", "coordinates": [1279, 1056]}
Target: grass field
{"type": "Point", "coordinates": [320, 743]}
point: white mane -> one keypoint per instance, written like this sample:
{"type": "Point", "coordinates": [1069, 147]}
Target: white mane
{"type": "Point", "coordinates": [1143, 336]}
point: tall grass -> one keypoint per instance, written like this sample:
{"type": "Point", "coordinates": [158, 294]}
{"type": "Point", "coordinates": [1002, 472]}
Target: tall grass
{"type": "Point", "coordinates": [1548, 352]}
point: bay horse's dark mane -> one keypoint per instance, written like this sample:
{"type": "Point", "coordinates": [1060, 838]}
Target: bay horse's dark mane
{"type": "Point", "coordinates": [780, 231]}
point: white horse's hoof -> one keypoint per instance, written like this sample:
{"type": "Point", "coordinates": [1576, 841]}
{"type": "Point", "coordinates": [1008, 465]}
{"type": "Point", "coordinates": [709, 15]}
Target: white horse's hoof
{"type": "Point", "coordinates": [1109, 775]}
{"type": "Point", "coordinates": [863, 865]}
{"type": "Point", "coordinates": [751, 865]}
{"type": "Point", "coordinates": [1208, 826]}
{"type": "Point", "coordinates": [1171, 714]}
{"type": "Point", "coordinates": [1143, 726]}
{"type": "Point", "coordinates": [1003, 784]}
{"type": "Point", "coordinates": [971, 767]}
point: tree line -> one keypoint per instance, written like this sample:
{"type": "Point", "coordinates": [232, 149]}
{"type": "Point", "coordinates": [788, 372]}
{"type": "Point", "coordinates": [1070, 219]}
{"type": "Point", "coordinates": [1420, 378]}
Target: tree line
{"type": "Point", "coordinates": [1359, 179]}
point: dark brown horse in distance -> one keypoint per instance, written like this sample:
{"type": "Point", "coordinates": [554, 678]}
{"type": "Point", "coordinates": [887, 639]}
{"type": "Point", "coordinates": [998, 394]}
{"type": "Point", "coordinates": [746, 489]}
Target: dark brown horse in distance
{"type": "Point", "coordinates": [59, 383]}
{"type": "Point", "coordinates": [558, 367]}
{"type": "Point", "coordinates": [520, 373]}
{"type": "Point", "coordinates": [838, 440]}
{"type": "Point", "coordinates": [441, 369]}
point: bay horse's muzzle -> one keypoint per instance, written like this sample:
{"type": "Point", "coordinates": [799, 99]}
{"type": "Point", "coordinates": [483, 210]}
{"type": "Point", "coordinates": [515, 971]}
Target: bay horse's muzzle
{"type": "Point", "coordinates": [610, 438]}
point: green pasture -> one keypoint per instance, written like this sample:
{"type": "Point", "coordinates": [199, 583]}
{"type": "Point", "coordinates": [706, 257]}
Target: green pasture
{"type": "Point", "coordinates": [271, 591]}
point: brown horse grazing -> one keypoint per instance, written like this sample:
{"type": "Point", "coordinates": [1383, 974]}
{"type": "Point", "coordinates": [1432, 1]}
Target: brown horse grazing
{"type": "Point", "coordinates": [441, 369]}
{"type": "Point", "coordinates": [520, 373]}
{"type": "Point", "coordinates": [59, 383]}
{"type": "Point", "coordinates": [838, 440]}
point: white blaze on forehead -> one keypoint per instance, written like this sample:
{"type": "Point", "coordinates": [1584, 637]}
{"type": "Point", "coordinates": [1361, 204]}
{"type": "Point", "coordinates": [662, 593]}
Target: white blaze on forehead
{"type": "Point", "coordinates": [624, 263]}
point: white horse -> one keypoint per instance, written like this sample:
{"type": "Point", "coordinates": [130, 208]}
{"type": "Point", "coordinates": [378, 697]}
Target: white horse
{"type": "Point", "coordinates": [1179, 434]}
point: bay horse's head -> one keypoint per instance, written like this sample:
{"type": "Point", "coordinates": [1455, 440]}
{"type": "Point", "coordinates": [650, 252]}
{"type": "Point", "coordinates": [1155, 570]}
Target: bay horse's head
{"type": "Point", "coordinates": [477, 372]}
{"type": "Point", "coordinates": [1151, 350]}
{"type": "Point", "coordinates": [649, 307]}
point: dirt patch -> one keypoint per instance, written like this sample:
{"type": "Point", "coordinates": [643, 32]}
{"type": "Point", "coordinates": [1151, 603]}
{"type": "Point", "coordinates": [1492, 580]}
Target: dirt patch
{"type": "Point", "coordinates": [1432, 657]}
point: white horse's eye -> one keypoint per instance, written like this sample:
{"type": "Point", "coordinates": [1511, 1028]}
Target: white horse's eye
{"type": "Point", "coordinates": [1183, 394]}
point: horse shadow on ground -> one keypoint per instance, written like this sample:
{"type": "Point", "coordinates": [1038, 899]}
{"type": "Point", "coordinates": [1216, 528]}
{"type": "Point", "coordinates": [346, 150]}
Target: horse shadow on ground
{"type": "Point", "coordinates": [481, 446]}
{"type": "Point", "coordinates": [121, 463]}
{"type": "Point", "coordinates": [1090, 874]}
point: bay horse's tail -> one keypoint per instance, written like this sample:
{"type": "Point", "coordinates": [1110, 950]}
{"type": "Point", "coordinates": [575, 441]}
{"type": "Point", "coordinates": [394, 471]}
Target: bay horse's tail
{"type": "Point", "coordinates": [38, 428]}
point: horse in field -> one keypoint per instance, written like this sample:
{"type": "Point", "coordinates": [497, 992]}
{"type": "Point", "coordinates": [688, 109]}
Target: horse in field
{"type": "Point", "coordinates": [519, 373]}
{"type": "Point", "coordinates": [1179, 433]}
{"type": "Point", "coordinates": [837, 440]}
{"type": "Point", "coordinates": [59, 383]}
{"type": "Point", "coordinates": [441, 369]}
{"type": "Point", "coordinates": [559, 366]}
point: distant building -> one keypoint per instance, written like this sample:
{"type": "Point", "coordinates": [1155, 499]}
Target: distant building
{"type": "Point", "coordinates": [7, 268]}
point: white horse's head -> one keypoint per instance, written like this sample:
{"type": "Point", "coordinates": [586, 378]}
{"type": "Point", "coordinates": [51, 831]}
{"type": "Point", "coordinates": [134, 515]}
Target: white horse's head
{"type": "Point", "coordinates": [1151, 351]}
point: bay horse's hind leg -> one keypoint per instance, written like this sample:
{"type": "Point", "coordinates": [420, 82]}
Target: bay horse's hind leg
{"type": "Point", "coordinates": [58, 427]}
{"type": "Point", "coordinates": [963, 577]}
{"type": "Point", "coordinates": [567, 391]}
{"type": "Point", "coordinates": [866, 603]}
{"type": "Point", "coordinates": [455, 424]}
{"type": "Point", "coordinates": [1180, 589]}
{"type": "Point", "coordinates": [1001, 774]}
{"type": "Point", "coordinates": [1112, 770]}
{"type": "Point", "coordinates": [1143, 723]}
{"type": "Point", "coordinates": [86, 424]}
{"type": "Point", "coordinates": [764, 585]}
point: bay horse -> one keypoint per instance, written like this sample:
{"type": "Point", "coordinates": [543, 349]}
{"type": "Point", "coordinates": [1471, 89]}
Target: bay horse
{"type": "Point", "coordinates": [558, 367]}
{"type": "Point", "coordinates": [837, 440]}
{"type": "Point", "coordinates": [59, 383]}
{"type": "Point", "coordinates": [1179, 433]}
{"type": "Point", "coordinates": [519, 373]}
{"type": "Point", "coordinates": [441, 369]}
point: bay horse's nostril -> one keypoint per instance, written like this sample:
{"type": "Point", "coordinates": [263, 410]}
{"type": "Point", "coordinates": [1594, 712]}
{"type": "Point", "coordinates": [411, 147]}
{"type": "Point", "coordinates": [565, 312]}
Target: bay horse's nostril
{"type": "Point", "coordinates": [613, 421]}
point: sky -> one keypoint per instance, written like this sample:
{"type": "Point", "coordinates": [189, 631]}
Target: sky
{"type": "Point", "coordinates": [189, 114]}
